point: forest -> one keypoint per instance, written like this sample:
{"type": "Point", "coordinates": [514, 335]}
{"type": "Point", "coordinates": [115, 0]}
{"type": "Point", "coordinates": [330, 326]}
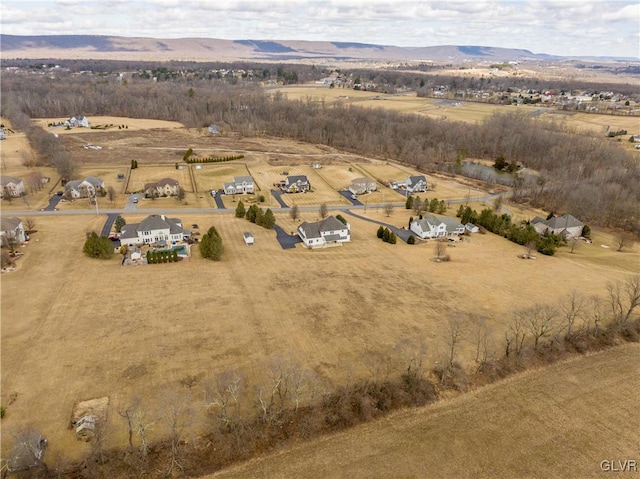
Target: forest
{"type": "Point", "coordinates": [582, 173]}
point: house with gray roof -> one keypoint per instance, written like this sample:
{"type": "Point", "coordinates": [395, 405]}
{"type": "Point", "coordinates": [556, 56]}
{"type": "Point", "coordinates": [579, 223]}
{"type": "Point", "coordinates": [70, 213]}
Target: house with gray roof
{"type": "Point", "coordinates": [360, 186]}
{"type": "Point", "coordinates": [412, 184]}
{"type": "Point", "coordinates": [163, 187]}
{"type": "Point", "coordinates": [328, 232]}
{"type": "Point", "coordinates": [296, 184]}
{"type": "Point", "coordinates": [154, 230]}
{"type": "Point", "coordinates": [11, 186]}
{"type": "Point", "coordinates": [431, 226]}
{"type": "Point", "coordinates": [12, 227]}
{"type": "Point", "coordinates": [78, 121]}
{"type": "Point", "coordinates": [239, 185]}
{"type": "Point", "coordinates": [87, 188]}
{"type": "Point", "coordinates": [567, 226]}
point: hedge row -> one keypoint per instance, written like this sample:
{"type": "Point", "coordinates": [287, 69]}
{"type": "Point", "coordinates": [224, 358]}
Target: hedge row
{"type": "Point", "coordinates": [214, 160]}
{"type": "Point", "coordinates": [162, 257]}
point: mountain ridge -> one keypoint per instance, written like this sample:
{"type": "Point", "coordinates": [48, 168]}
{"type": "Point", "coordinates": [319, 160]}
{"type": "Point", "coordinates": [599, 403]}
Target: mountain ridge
{"type": "Point", "coordinates": [211, 49]}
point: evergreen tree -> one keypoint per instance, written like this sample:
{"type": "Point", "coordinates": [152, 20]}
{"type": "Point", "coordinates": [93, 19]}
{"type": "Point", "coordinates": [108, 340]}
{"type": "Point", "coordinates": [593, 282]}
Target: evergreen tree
{"type": "Point", "coordinates": [380, 232]}
{"type": "Point", "coordinates": [259, 216]}
{"type": "Point", "coordinates": [119, 223]}
{"type": "Point", "coordinates": [410, 221]}
{"type": "Point", "coordinates": [211, 245]}
{"type": "Point", "coordinates": [411, 240]}
{"type": "Point", "coordinates": [98, 246]}
{"type": "Point", "coordinates": [385, 235]}
{"type": "Point", "coordinates": [269, 220]}
{"type": "Point", "coordinates": [240, 211]}
{"type": "Point", "coordinates": [392, 238]}
{"type": "Point", "coordinates": [409, 203]}
{"type": "Point", "coordinates": [341, 219]}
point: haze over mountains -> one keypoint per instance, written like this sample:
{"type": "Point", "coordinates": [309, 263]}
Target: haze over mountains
{"type": "Point", "coordinates": [209, 49]}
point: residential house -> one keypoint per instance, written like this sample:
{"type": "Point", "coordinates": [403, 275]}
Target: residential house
{"type": "Point", "coordinates": [2, 134]}
{"type": "Point", "coordinates": [328, 232]}
{"type": "Point", "coordinates": [12, 227]}
{"type": "Point", "coordinates": [87, 188]}
{"type": "Point", "coordinates": [412, 184]}
{"type": "Point", "coordinates": [360, 186]}
{"type": "Point", "coordinates": [431, 226]}
{"type": "Point", "coordinates": [471, 228]}
{"type": "Point", "coordinates": [12, 186]}
{"type": "Point", "coordinates": [567, 226]}
{"type": "Point", "coordinates": [163, 187]}
{"type": "Point", "coordinates": [77, 121]}
{"type": "Point", "coordinates": [239, 185]}
{"type": "Point", "coordinates": [213, 129]}
{"type": "Point", "coordinates": [154, 229]}
{"type": "Point", "coordinates": [416, 183]}
{"type": "Point", "coordinates": [296, 184]}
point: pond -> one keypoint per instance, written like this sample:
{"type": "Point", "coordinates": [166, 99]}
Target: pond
{"type": "Point", "coordinates": [486, 173]}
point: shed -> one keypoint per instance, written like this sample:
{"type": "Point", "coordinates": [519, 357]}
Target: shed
{"type": "Point", "coordinates": [471, 228]}
{"type": "Point", "coordinates": [86, 414]}
{"type": "Point", "coordinates": [136, 253]}
{"type": "Point", "coordinates": [248, 238]}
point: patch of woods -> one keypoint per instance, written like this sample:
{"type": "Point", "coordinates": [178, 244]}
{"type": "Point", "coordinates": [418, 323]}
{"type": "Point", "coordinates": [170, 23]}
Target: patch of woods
{"type": "Point", "coordinates": [288, 403]}
{"type": "Point", "coordinates": [257, 215]}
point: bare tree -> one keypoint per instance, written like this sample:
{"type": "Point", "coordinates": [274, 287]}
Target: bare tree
{"type": "Point", "coordinates": [181, 193]}
{"type": "Point", "coordinates": [141, 425]}
{"type": "Point", "coordinates": [10, 242]}
{"type": "Point", "coordinates": [530, 247]}
{"type": "Point", "coordinates": [624, 299]}
{"type": "Point", "coordinates": [573, 244]}
{"type": "Point", "coordinates": [497, 204]}
{"type": "Point", "coordinates": [623, 240]}
{"type": "Point", "coordinates": [440, 249]}
{"type": "Point", "coordinates": [111, 193]}
{"type": "Point", "coordinates": [222, 395]}
{"type": "Point", "coordinates": [418, 205]}
{"type": "Point", "coordinates": [540, 321]}
{"type": "Point", "coordinates": [30, 223]}
{"type": "Point", "coordinates": [388, 209]}
{"type": "Point", "coordinates": [597, 314]}
{"type": "Point", "coordinates": [456, 329]}
{"type": "Point", "coordinates": [27, 159]}
{"type": "Point", "coordinates": [481, 340]}
{"type": "Point", "coordinates": [324, 210]}
{"type": "Point", "coordinates": [177, 418]}
{"type": "Point", "coordinates": [515, 334]}
{"type": "Point", "coordinates": [294, 212]}
{"type": "Point", "coordinates": [572, 307]}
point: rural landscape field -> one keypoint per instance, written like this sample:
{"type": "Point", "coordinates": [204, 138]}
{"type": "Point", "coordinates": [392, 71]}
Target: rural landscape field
{"type": "Point", "coordinates": [186, 348]}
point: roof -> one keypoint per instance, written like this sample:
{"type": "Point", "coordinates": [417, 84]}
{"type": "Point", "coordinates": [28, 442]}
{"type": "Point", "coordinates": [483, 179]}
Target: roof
{"type": "Point", "coordinates": [160, 222]}
{"type": "Point", "coordinates": [5, 180]}
{"type": "Point", "coordinates": [417, 178]}
{"type": "Point", "coordinates": [362, 180]}
{"type": "Point", "coordinates": [94, 180]}
{"type": "Point", "coordinates": [162, 182]}
{"type": "Point", "coordinates": [564, 221]}
{"type": "Point", "coordinates": [297, 179]}
{"type": "Point", "coordinates": [242, 179]}
{"type": "Point", "coordinates": [315, 230]}
{"type": "Point", "coordinates": [452, 223]}
{"type": "Point", "coordinates": [9, 223]}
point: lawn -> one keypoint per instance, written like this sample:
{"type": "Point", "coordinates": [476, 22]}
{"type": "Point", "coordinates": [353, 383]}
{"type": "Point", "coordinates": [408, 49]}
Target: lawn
{"type": "Point", "coordinates": [148, 174]}
{"type": "Point", "coordinates": [213, 176]}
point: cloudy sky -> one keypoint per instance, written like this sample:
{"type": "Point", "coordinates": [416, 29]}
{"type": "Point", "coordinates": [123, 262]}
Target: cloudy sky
{"type": "Point", "coordinates": [560, 27]}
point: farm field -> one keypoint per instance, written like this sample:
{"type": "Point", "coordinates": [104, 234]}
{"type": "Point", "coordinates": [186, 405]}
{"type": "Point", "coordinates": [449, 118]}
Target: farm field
{"type": "Point", "coordinates": [454, 110]}
{"type": "Point", "coordinates": [555, 422]}
{"type": "Point", "coordinates": [98, 328]}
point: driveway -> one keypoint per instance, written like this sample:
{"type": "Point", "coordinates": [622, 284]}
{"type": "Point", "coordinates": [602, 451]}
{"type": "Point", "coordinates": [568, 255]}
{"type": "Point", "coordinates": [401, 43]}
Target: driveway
{"type": "Point", "coordinates": [131, 205]}
{"type": "Point", "coordinates": [106, 229]}
{"type": "Point", "coordinates": [287, 241]}
{"type": "Point", "coordinates": [278, 196]}
{"type": "Point", "coordinates": [218, 200]}
{"type": "Point", "coordinates": [403, 234]}
{"type": "Point", "coordinates": [53, 202]}
{"type": "Point", "coordinates": [347, 194]}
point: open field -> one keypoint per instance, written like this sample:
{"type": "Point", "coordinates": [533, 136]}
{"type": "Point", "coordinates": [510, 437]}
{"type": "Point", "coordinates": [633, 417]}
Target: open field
{"type": "Point", "coordinates": [555, 422]}
{"type": "Point", "coordinates": [97, 328]}
{"type": "Point", "coordinates": [131, 124]}
{"type": "Point", "coordinates": [455, 110]}
{"type": "Point", "coordinates": [214, 176]}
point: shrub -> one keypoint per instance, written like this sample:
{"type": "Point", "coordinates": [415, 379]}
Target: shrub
{"type": "Point", "coordinates": [411, 240]}
{"type": "Point", "coordinates": [380, 232]}
{"type": "Point", "coordinates": [341, 219]}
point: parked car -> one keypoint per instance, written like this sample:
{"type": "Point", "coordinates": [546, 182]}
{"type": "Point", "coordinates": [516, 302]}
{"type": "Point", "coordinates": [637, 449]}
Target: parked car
{"type": "Point", "coordinates": [213, 193]}
{"type": "Point", "coordinates": [135, 200]}
{"type": "Point", "coordinates": [60, 193]}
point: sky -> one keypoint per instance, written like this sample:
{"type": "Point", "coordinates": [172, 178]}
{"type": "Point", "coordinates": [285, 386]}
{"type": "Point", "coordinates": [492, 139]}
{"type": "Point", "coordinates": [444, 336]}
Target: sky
{"type": "Point", "coordinates": [557, 27]}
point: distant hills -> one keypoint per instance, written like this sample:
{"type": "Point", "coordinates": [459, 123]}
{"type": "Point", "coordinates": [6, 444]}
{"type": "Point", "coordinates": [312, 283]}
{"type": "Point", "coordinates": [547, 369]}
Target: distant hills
{"type": "Point", "coordinates": [209, 49]}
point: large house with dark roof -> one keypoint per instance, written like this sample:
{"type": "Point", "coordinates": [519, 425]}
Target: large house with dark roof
{"type": "Point", "coordinates": [86, 188]}
{"type": "Point", "coordinates": [296, 184]}
{"type": "Point", "coordinates": [431, 226]}
{"type": "Point", "coordinates": [412, 184]}
{"type": "Point", "coordinates": [163, 187]}
{"type": "Point", "coordinates": [567, 226]}
{"type": "Point", "coordinates": [328, 232]}
{"type": "Point", "coordinates": [154, 230]}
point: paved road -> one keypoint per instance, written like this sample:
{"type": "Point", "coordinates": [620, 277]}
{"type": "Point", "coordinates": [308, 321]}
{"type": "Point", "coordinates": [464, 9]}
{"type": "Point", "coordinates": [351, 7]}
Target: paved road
{"type": "Point", "coordinates": [347, 194]}
{"type": "Point", "coordinates": [287, 241]}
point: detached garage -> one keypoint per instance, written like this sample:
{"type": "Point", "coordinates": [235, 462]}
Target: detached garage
{"type": "Point", "coordinates": [248, 238]}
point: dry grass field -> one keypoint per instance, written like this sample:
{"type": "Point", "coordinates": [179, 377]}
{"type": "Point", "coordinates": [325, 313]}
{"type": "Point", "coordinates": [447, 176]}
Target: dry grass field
{"type": "Point", "coordinates": [81, 328]}
{"type": "Point", "coordinates": [90, 328]}
{"type": "Point", "coordinates": [211, 177]}
{"type": "Point", "coordinates": [556, 422]}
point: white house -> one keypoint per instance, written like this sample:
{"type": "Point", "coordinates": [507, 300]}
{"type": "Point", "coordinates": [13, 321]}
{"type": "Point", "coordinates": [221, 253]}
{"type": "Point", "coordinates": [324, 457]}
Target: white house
{"type": "Point", "coordinates": [2, 134]}
{"type": "Point", "coordinates": [412, 184]}
{"type": "Point", "coordinates": [12, 186]}
{"type": "Point", "coordinates": [471, 228]}
{"type": "Point", "coordinates": [328, 232]}
{"type": "Point", "coordinates": [163, 187]}
{"type": "Point", "coordinates": [567, 226]}
{"type": "Point", "coordinates": [154, 229]}
{"type": "Point", "coordinates": [296, 184]}
{"type": "Point", "coordinates": [12, 227]}
{"type": "Point", "coordinates": [360, 186]}
{"type": "Point", "coordinates": [86, 188]}
{"type": "Point", "coordinates": [77, 121]}
{"type": "Point", "coordinates": [239, 185]}
{"type": "Point", "coordinates": [430, 226]}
